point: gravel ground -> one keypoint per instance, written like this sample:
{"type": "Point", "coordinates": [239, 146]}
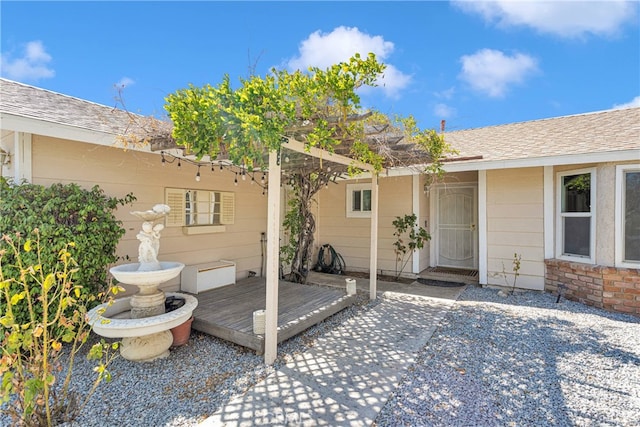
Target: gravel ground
{"type": "Point", "coordinates": [523, 360]}
{"type": "Point", "coordinates": [519, 360]}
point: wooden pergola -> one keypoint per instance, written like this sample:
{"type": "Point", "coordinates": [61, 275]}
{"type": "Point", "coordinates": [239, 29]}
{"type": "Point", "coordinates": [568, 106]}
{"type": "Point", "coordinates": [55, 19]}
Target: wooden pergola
{"type": "Point", "coordinates": [382, 139]}
{"type": "Point", "coordinates": [273, 231]}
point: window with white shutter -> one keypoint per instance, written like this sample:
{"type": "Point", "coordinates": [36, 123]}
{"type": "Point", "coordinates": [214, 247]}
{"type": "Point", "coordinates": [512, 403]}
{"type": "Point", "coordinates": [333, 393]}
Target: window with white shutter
{"type": "Point", "coordinates": [197, 208]}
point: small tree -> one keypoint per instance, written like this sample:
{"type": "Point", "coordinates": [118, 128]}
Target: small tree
{"type": "Point", "coordinates": [517, 258]}
{"type": "Point", "coordinates": [409, 237]}
{"type": "Point", "coordinates": [32, 353]}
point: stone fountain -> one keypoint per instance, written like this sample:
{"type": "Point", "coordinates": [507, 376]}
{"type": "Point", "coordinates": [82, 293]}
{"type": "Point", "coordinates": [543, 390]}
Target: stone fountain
{"type": "Point", "coordinates": [140, 320]}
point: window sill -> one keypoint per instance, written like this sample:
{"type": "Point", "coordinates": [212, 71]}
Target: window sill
{"type": "Point", "coordinates": [356, 214]}
{"type": "Point", "coordinates": [203, 229]}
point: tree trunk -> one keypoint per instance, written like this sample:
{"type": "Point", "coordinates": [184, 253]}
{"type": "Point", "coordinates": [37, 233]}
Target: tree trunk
{"type": "Point", "coordinates": [305, 188]}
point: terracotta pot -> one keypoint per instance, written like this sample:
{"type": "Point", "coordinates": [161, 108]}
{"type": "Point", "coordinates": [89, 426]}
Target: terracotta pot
{"type": "Point", "coordinates": [181, 333]}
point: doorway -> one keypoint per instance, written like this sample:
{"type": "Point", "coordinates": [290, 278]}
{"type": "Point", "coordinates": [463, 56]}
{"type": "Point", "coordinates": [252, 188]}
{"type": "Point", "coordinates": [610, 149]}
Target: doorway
{"type": "Point", "coordinates": [456, 231]}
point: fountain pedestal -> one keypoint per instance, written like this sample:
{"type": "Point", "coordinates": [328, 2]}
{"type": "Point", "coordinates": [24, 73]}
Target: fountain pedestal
{"type": "Point", "coordinates": [147, 347]}
{"type": "Point", "coordinates": [147, 305]}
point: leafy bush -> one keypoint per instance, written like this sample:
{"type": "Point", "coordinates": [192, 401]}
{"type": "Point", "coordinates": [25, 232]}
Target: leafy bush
{"type": "Point", "coordinates": [32, 353]}
{"type": "Point", "coordinates": [63, 213]}
{"type": "Point", "coordinates": [407, 229]}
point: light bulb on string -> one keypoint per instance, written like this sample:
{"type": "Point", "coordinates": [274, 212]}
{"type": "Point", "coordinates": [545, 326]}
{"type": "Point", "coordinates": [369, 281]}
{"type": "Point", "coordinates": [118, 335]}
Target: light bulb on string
{"type": "Point", "coordinates": [212, 167]}
{"type": "Point", "coordinates": [179, 164]}
{"type": "Point", "coordinates": [262, 179]}
{"type": "Point", "coordinates": [235, 181]}
{"type": "Point", "coordinates": [198, 174]}
{"type": "Point", "coordinates": [164, 161]}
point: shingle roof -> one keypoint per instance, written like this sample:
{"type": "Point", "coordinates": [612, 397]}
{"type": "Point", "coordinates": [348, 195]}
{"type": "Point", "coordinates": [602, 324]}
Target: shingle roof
{"type": "Point", "coordinates": [29, 101]}
{"type": "Point", "coordinates": [605, 131]}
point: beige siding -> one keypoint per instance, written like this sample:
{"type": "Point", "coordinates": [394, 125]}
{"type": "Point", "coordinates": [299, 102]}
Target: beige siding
{"type": "Point", "coordinates": [515, 225]}
{"type": "Point", "coordinates": [350, 236]}
{"type": "Point", "coordinates": [119, 172]}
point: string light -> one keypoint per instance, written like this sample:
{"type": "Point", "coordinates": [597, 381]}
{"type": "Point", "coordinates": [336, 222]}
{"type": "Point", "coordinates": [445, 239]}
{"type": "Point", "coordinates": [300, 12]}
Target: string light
{"type": "Point", "coordinates": [179, 164]}
{"type": "Point", "coordinates": [198, 174]}
{"type": "Point", "coordinates": [262, 179]}
{"type": "Point", "coordinates": [235, 181]}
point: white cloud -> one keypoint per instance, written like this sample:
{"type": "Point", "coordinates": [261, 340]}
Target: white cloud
{"type": "Point", "coordinates": [124, 82]}
{"type": "Point", "coordinates": [444, 111]}
{"type": "Point", "coordinates": [562, 18]}
{"type": "Point", "coordinates": [492, 72]}
{"type": "Point", "coordinates": [635, 102]}
{"type": "Point", "coordinates": [447, 93]}
{"type": "Point", "coordinates": [32, 65]}
{"type": "Point", "coordinates": [325, 49]}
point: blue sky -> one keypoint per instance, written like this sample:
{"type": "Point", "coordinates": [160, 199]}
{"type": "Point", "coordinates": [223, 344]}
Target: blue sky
{"type": "Point", "coordinates": [472, 63]}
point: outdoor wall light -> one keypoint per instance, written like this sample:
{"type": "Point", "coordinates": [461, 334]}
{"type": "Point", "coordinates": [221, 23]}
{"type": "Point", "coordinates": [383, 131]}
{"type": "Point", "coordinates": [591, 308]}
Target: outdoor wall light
{"type": "Point", "coordinates": [5, 157]}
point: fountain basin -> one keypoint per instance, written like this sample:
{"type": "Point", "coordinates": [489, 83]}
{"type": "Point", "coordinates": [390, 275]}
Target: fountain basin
{"type": "Point", "coordinates": [131, 274]}
{"type": "Point", "coordinates": [110, 326]}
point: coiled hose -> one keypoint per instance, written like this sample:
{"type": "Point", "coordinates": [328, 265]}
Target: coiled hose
{"type": "Point", "coordinates": [329, 261]}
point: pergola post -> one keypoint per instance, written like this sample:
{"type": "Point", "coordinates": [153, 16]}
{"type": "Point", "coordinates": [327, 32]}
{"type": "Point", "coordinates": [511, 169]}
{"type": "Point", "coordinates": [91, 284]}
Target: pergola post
{"type": "Point", "coordinates": [273, 259]}
{"type": "Point", "coordinates": [373, 255]}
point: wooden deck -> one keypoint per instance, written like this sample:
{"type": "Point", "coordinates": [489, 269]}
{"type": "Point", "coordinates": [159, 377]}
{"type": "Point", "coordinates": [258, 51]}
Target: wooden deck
{"type": "Point", "coordinates": [227, 312]}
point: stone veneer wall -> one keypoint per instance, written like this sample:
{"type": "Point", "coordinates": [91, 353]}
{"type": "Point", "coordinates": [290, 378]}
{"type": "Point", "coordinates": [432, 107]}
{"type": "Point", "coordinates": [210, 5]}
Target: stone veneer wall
{"type": "Point", "coordinates": [610, 288]}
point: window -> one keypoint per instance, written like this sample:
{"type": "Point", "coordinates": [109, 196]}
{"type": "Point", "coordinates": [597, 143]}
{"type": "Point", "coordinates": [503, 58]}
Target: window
{"type": "Point", "coordinates": [199, 207]}
{"type": "Point", "coordinates": [576, 218]}
{"type": "Point", "coordinates": [627, 216]}
{"type": "Point", "coordinates": [358, 200]}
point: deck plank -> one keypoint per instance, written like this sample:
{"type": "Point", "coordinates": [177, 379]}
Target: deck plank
{"type": "Point", "coordinates": [227, 312]}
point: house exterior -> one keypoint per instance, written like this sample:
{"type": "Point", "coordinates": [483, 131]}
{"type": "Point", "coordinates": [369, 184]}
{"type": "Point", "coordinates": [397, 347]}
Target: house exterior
{"type": "Point", "coordinates": [50, 137]}
{"type": "Point", "coordinates": [562, 193]}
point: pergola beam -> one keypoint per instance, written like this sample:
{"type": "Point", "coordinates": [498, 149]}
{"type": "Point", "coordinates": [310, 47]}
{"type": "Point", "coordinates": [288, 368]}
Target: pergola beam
{"type": "Point", "coordinates": [299, 147]}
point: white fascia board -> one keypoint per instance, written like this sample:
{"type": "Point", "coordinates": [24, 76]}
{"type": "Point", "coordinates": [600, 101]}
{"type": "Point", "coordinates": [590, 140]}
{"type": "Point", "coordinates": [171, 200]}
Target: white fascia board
{"type": "Point", "coordinates": [569, 159]}
{"type": "Point", "coordinates": [57, 130]}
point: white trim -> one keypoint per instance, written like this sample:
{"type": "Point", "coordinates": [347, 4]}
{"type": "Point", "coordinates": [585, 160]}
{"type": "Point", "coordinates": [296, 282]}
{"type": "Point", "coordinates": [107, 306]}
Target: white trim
{"type": "Point", "coordinates": [591, 214]}
{"type": "Point", "coordinates": [351, 188]}
{"type": "Point", "coordinates": [548, 212]}
{"type": "Point", "coordinates": [373, 256]}
{"type": "Point", "coordinates": [22, 157]}
{"type": "Point", "coordinates": [483, 243]}
{"type": "Point", "coordinates": [433, 222]}
{"type": "Point", "coordinates": [620, 216]}
{"type": "Point", "coordinates": [567, 159]}
{"type": "Point", "coordinates": [415, 196]}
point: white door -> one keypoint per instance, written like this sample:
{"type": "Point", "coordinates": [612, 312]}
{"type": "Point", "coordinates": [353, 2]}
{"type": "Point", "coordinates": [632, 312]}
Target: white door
{"type": "Point", "coordinates": [456, 227]}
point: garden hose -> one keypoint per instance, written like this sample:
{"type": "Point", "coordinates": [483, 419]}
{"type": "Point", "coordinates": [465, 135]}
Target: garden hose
{"type": "Point", "coordinates": [329, 261]}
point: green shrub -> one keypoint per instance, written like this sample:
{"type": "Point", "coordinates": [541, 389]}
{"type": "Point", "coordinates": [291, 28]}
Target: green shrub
{"type": "Point", "coordinates": [409, 238]}
{"type": "Point", "coordinates": [63, 213]}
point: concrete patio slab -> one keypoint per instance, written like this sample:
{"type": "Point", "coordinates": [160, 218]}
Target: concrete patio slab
{"type": "Point", "coordinates": [348, 375]}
